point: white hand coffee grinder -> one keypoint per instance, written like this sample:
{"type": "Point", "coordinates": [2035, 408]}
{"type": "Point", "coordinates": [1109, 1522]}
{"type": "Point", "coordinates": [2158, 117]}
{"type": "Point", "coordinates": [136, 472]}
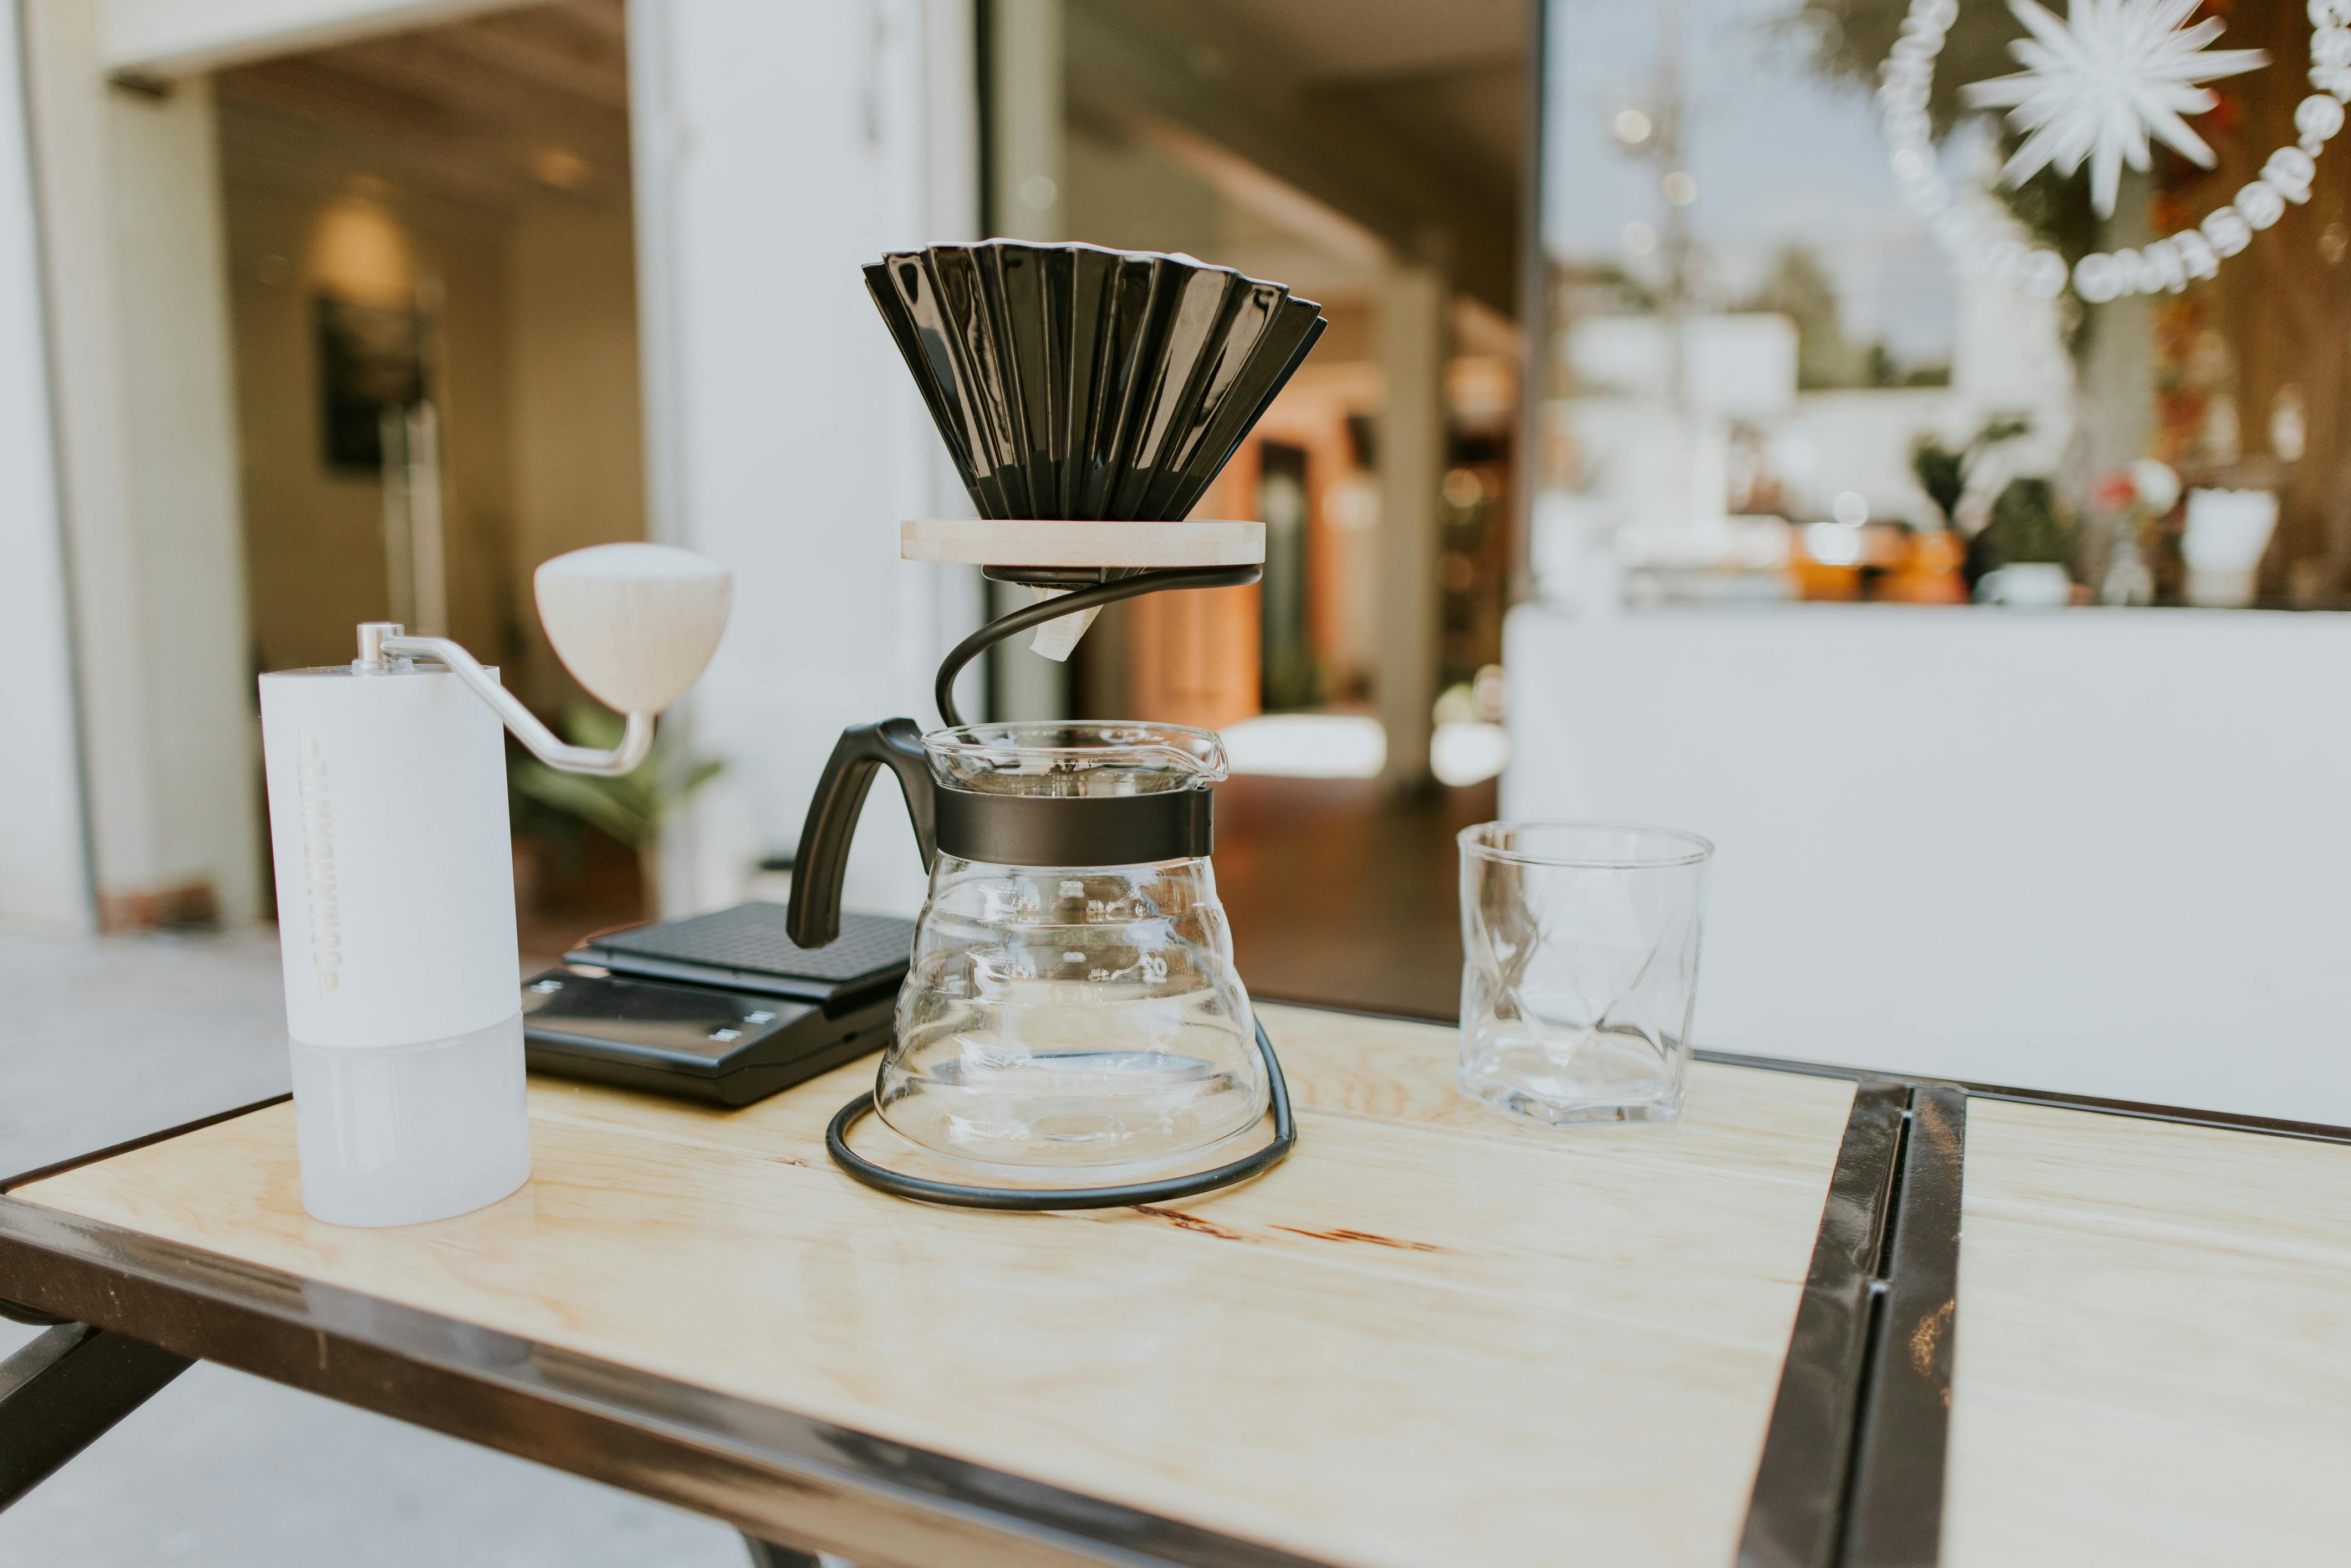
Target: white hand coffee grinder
{"type": "Point", "coordinates": [395, 877]}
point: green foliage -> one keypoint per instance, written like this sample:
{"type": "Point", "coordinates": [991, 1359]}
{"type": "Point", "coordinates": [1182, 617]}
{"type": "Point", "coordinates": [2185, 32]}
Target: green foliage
{"type": "Point", "coordinates": [2028, 524]}
{"type": "Point", "coordinates": [1798, 287]}
{"type": "Point", "coordinates": [630, 809]}
{"type": "Point", "coordinates": [1943, 473]}
{"type": "Point", "coordinates": [1848, 40]}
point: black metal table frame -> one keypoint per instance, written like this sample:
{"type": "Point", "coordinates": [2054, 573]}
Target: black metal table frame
{"type": "Point", "coordinates": [1851, 1474]}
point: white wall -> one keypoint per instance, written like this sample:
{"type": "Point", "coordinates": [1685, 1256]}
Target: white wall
{"type": "Point", "coordinates": [179, 458]}
{"type": "Point", "coordinates": [314, 533]}
{"type": "Point", "coordinates": [130, 228]}
{"type": "Point", "coordinates": [779, 147]}
{"type": "Point", "coordinates": [130, 770]}
{"type": "Point", "coordinates": [578, 419]}
{"type": "Point", "coordinates": [2098, 852]}
{"type": "Point", "coordinates": [44, 853]}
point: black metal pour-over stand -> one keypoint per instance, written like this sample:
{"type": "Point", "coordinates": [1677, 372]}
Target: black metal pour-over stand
{"type": "Point", "coordinates": [1086, 588]}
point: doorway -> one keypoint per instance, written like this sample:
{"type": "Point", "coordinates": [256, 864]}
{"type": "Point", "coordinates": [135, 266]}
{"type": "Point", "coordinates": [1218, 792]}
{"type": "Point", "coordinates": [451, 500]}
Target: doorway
{"type": "Point", "coordinates": [432, 316]}
{"type": "Point", "coordinates": [1372, 158]}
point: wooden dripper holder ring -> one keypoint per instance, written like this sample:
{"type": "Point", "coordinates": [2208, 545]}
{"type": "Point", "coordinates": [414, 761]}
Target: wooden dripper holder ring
{"type": "Point", "coordinates": [1083, 565]}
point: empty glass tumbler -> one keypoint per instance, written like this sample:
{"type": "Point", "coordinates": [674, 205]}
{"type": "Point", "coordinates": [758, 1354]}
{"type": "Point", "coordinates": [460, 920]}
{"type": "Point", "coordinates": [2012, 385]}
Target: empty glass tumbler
{"type": "Point", "coordinates": [1580, 943]}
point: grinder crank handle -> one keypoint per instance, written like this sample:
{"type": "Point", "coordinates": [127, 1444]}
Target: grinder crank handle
{"type": "Point", "coordinates": [635, 623]}
{"type": "Point", "coordinates": [823, 859]}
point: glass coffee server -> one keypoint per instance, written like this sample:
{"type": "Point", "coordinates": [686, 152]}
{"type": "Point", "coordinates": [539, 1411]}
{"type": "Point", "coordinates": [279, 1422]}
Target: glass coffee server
{"type": "Point", "coordinates": [1071, 1011]}
{"type": "Point", "coordinates": [1072, 1003]}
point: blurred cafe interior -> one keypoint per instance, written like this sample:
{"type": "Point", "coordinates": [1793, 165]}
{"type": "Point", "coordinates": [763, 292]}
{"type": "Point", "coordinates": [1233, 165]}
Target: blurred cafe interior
{"type": "Point", "coordinates": [1716, 420]}
{"type": "Point", "coordinates": [1818, 424]}
{"type": "Point", "coordinates": [1728, 413]}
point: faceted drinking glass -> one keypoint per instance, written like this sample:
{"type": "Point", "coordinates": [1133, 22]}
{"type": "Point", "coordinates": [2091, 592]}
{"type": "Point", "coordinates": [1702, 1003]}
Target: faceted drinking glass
{"type": "Point", "coordinates": [1580, 945]}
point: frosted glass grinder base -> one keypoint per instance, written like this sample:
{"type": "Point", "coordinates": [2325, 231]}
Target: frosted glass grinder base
{"type": "Point", "coordinates": [398, 1134]}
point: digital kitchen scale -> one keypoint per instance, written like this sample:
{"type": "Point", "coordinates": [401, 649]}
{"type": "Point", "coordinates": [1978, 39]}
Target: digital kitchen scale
{"type": "Point", "coordinates": [721, 1008]}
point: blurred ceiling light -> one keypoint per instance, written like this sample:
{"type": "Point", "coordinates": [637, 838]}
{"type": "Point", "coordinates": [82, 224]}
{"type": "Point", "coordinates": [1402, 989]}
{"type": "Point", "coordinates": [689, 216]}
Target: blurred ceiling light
{"type": "Point", "coordinates": [1761, 543]}
{"type": "Point", "coordinates": [359, 252]}
{"type": "Point", "coordinates": [1640, 238]}
{"type": "Point", "coordinates": [2157, 483]}
{"type": "Point", "coordinates": [1489, 689]}
{"type": "Point", "coordinates": [1850, 509]}
{"type": "Point", "coordinates": [1681, 188]}
{"type": "Point", "coordinates": [2289, 427]}
{"type": "Point", "coordinates": [1631, 127]}
{"type": "Point", "coordinates": [1457, 704]}
{"type": "Point", "coordinates": [562, 168]}
{"type": "Point", "coordinates": [1468, 753]}
{"type": "Point", "coordinates": [1832, 544]}
{"type": "Point", "coordinates": [1307, 746]}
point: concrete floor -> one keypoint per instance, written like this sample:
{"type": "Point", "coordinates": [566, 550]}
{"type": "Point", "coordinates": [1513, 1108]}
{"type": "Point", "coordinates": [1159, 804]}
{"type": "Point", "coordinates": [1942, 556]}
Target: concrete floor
{"type": "Point", "coordinates": [105, 1039]}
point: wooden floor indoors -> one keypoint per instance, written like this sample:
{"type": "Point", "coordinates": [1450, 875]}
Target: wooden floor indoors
{"type": "Point", "coordinates": [1337, 894]}
{"type": "Point", "coordinates": [1340, 896]}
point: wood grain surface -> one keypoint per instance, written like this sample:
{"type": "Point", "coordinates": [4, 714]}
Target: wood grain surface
{"type": "Point", "coordinates": [1434, 1335]}
{"type": "Point", "coordinates": [2153, 1347]}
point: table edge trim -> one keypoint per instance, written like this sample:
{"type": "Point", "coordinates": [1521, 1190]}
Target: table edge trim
{"type": "Point", "coordinates": [129, 1146]}
{"type": "Point", "coordinates": [651, 1434]}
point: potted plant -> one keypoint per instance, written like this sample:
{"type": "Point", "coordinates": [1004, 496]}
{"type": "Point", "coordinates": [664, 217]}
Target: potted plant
{"type": "Point", "coordinates": [2027, 537]}
{"type": "Point", "coordinates": [631, 807]}
{"type": "Point", "coordinates": [1944, 474]}
{"type": "Point", "coordinates": [2132, 497]}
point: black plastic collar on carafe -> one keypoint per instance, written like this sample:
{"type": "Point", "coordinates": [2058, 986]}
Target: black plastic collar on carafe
{"type": "Point", "coordinates": [1075, 829]}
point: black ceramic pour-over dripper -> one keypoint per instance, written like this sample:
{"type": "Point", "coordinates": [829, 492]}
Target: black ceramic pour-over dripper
{"type": "Point", "coordinates": [1073, 382]}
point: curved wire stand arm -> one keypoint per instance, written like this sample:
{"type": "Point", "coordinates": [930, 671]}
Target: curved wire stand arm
{"type": "Point", "coordinates": [1071, 603]}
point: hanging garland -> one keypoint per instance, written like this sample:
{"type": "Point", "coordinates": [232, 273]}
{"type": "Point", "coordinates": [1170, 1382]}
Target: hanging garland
{"type": "Point", "coordinates": [2134, 51]}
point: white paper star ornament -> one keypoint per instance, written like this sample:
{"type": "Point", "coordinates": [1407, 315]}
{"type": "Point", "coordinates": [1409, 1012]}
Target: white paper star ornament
{"type": "Point", "coordinates": [2094, 85]}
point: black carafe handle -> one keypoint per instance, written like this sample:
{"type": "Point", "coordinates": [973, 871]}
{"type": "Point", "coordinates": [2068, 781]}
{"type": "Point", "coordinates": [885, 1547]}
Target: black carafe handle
{"type": "Point", "coordinates": [823, 859]}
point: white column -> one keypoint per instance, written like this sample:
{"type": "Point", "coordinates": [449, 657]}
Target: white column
{"type": "Point", "coordinates": [779, 149]}
{"type": "Point", "coordinates": [45, 876]}
{"type": "Point", "coordinates": [179, 456]}
{"type": "Point", "coordinates": [1027, 99]}
{"type": "Point", "coordinates": [1412, 466]}
{"type": "Point", "coordinates": [1027, 104]}
{"type": "Point", "coordinates": [131, 209]}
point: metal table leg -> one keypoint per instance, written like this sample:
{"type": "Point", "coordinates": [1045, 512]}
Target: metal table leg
{"type": "Point", "coordinates": [60, 1392]}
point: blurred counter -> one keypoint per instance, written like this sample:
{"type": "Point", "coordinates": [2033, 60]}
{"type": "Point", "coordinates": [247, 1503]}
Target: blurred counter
{"type": "Point", "coordinates": [2103, 851]}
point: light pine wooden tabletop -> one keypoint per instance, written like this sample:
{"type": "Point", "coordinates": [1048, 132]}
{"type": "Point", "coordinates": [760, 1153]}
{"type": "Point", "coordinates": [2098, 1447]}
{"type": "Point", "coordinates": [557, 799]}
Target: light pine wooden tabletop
{"type": "Point", "coordinates": [2154, 1351]}
{"type": "Point", "coordinates": [1434, 1335]}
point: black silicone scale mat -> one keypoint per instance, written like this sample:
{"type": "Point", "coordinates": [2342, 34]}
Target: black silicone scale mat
{"type": "Point", "coordinates": [749, 939]}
